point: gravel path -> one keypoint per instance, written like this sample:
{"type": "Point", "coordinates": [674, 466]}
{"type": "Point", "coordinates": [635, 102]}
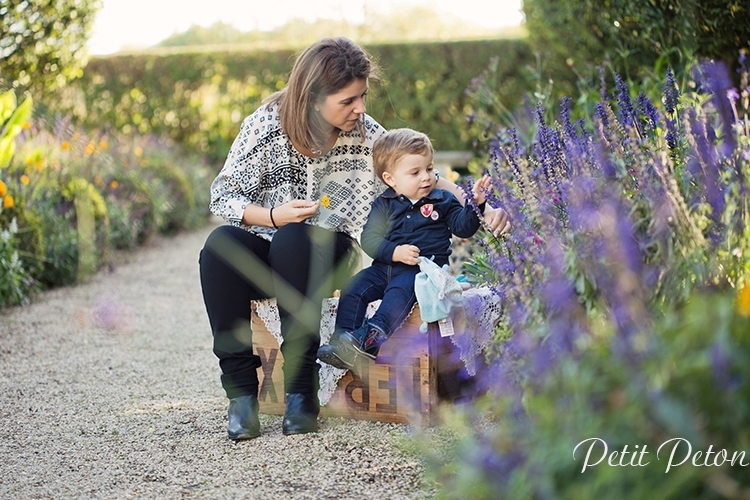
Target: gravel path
{"type": "Point", "coordinates": [110, 390]}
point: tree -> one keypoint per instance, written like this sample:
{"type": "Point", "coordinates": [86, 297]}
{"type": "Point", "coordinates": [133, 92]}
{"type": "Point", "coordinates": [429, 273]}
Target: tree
{"type": "Point", "coordinates": [42, 46]}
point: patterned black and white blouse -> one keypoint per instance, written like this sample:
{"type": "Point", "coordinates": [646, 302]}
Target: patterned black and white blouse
{"type": "Point", "coordinates": [264, 168]}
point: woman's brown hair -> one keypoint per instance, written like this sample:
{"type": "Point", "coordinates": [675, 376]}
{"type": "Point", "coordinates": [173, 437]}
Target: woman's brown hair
{"type": "Point", "coordinates": [322, 69]}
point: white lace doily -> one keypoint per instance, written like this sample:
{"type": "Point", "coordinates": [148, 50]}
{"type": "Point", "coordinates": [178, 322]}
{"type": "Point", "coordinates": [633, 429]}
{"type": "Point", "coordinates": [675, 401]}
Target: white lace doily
{"type": "Point", "coordinates": [482, 311]}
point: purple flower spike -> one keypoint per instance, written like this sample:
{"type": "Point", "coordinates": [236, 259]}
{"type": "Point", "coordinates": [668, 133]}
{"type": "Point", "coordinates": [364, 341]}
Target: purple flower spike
{"type": "Point", "coordinates": [671, 93]}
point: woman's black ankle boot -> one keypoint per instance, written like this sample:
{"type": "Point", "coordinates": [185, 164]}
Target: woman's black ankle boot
{"type": "Point", "coordinates": [243, 418]}
{"type": "Point", "coordinates": [301, 415]}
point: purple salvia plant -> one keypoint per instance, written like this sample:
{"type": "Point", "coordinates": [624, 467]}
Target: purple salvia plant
{"type": "Point", "coordinates": [718, 83]}
{"type": "Point", "coordinates": [648, 110]}
{"type": "Point", "coordinates": [625, 105]}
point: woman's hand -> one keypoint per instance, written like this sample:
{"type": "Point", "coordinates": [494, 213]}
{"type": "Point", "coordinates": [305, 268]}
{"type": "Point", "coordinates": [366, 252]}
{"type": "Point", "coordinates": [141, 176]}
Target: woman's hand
{"type": "Point", "coordinates": [497, 220]}
{"type": "Point", "coordinates": [294, 211]}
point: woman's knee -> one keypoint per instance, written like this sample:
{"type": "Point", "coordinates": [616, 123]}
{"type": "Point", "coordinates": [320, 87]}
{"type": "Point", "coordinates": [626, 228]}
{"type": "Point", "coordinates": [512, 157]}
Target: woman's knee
{"type": "Point", "coordinates": [290, 237]}
{"type": "Point", "coordinates": [234, 247]}
{"type": "Point", "coordinates": [219, 236]}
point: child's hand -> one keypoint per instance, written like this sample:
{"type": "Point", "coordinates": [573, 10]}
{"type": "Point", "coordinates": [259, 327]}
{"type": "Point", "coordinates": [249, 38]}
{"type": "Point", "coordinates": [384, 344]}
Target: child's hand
{"type": "Point", "coordinates": [408, 254]}
{"type": "Point", "coordinates": [480, 188]}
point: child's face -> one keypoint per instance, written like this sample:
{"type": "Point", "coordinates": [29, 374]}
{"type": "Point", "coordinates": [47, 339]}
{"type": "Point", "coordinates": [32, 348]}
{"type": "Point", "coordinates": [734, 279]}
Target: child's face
{"type": "Point", "coordinates": [412, 176]}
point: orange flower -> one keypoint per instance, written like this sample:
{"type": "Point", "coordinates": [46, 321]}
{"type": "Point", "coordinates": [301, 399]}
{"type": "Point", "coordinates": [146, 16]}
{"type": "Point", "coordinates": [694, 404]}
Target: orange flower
{"type": "Point", "coordinates": [89, 149]}
{"type": "Point", "coordinates": [103, 144]}
{"type": "Point", "coordinates": [114, 184]}
{"type": "Point", "coordinates": [8, 201]}
{"type": "Point", "coordinates": [3, 189]}
{"type": "Point", "coordinates": [138, 151]}
{"type": "Point", "coordinates": [65, 145]}
{"type": "Point", "coordinates": [25, 180]}
{"type": "Point", "coordinates": [743, 301]}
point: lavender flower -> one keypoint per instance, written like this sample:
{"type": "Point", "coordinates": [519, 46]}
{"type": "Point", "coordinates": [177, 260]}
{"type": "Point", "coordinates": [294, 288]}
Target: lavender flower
{"type": "Point", "coordinates": [671, 93]}
{"type": "Point", "coordinates": [646, 107]}
{"type": "Point", "coordinates": [627, 113]}
{"type": "Point", "coordinates": [719, 84]}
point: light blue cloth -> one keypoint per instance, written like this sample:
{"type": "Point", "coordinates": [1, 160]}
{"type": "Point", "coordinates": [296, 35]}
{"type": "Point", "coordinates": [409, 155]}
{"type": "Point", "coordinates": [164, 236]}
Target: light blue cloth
{"type": "Point", "coordinates": [437, 292]}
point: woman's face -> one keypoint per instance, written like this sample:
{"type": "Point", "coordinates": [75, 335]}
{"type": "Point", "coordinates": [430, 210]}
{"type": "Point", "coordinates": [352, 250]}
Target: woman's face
{"type": "Point", "coordinates": [345, 108]}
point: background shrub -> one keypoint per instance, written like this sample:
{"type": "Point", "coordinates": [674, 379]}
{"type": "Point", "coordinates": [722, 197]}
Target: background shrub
{"type": "Point", "coordinates": [197, 99]}
{"type": "Point", "coordinates": [70, 198]}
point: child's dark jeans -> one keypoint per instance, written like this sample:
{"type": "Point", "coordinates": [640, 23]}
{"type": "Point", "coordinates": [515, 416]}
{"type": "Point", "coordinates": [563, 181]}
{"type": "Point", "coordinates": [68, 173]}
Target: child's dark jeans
{"type": "Point", "coordinates": [393, 283]}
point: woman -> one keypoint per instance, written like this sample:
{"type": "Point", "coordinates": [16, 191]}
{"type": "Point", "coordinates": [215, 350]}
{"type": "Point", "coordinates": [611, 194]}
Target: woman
{"type": "Point", "coordinates": [296, 189]}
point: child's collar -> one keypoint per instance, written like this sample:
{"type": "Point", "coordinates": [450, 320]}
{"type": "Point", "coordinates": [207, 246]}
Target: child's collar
{"type": "Point", "coordinates": [431, 196]}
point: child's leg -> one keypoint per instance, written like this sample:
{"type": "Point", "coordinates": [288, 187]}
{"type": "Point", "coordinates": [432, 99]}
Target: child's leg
{"type": "Point", "coordinates": [367, 286]}
{"type": "Point", "coordinates": [398, 300]}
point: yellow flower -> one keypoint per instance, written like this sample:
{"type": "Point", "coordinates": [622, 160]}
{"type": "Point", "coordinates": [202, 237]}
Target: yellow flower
{"type": "Point", "coordinates": [8, 201]}
{"type": "Point", "coordinates": [325, 201]}
{"type": "Point", "coordinates": [40, 164]}
{"type": "Point", "coordinates": [65, 145]}
{"type": "Point", "coordinates": [103, 144]}
{"type": "Point", "coordinates": [89, 149]}
{"type": "Point", "coordinates": [3, 189]}
{"type": "Point", "coordinates": [138, 151]}
{"type": "Point", "coordinates": [743, 301]}
{"type": "Point", "coordinates": [114, 184]}
{"type": "Point", "coordinates": [25, 180]}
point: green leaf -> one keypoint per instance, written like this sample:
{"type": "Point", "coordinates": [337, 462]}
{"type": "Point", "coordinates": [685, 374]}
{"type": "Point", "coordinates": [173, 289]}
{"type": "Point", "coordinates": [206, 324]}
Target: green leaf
{"type": "Point", "coordinates": [20, 116]}
{"type": "Point", "coordinates": [7, 150]}
{"type": "Point", "coordinates": [7, 105]}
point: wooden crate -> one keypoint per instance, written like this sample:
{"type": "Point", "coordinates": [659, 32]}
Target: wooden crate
{"type": "Point", "coordinates": [400, 386]}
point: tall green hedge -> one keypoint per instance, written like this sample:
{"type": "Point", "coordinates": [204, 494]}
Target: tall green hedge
{"type": "Point", "coordinates": [639, 35]}
{"type": "Point", "coordinates": [199, 98]}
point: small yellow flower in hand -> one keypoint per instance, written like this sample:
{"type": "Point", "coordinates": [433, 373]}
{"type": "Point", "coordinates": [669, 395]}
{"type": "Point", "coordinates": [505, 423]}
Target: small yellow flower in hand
{"type": "Point", "coordinates": [325, 201]}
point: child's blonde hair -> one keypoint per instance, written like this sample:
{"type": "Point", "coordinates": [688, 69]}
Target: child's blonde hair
{"type": "Point", "coordinates": [397, 143]}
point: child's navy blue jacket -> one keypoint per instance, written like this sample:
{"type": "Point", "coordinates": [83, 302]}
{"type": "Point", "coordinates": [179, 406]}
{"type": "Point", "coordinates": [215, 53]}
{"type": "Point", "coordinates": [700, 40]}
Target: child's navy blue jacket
{"type": "Point", "coordinates": [428, 225]}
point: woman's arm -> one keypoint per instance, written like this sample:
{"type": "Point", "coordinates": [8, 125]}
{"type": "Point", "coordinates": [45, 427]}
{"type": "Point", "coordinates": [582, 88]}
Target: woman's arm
{"type": "Point", "coordinates": [293, 211]}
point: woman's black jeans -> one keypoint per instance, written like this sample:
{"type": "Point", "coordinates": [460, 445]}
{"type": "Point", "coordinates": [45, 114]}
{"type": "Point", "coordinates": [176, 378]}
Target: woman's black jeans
{"type": "Point", "coordinates": [301, 265]}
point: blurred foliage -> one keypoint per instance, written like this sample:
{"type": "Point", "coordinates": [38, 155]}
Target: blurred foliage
{"type": "Point", "coordinates": [198, 99]}
{"type": "Point", "coordinates": [70, 199]}
{"type": "Point", "coordinates": [635, 37]}
{"type": "Point", "coordinates": [42, 46]}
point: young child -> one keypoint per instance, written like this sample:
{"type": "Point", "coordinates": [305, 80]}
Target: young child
{"type": "Point", "coordinates": [411, 218]}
